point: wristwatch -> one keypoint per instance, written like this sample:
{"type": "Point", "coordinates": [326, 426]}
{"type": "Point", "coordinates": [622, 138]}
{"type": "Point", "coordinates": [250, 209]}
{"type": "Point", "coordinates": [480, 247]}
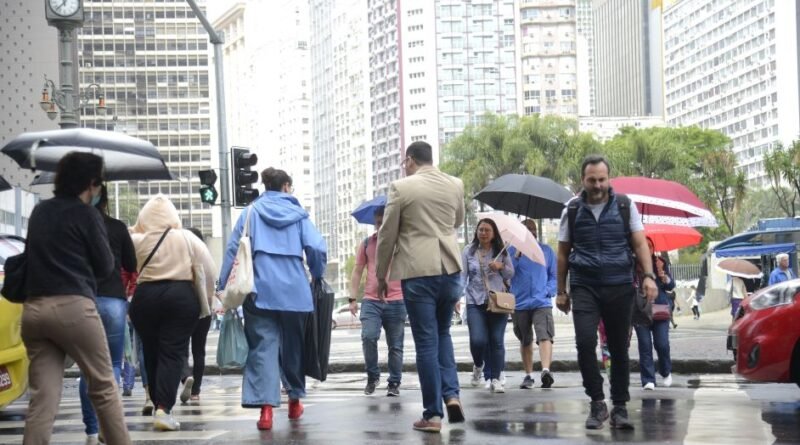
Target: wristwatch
{"type": "Point", "coordinates": [650, 275]}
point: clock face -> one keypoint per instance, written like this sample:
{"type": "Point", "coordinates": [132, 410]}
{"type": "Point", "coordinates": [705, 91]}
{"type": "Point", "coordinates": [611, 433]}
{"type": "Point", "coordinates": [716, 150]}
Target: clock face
{"type": "Point", "coordinates": [64, 8]}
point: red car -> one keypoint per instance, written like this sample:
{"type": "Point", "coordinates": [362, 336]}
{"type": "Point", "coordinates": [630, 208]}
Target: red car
{"type": "Point", "coordinates": [765, 334]}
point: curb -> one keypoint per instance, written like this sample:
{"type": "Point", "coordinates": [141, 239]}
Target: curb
{"type": "Point", "coordinates": [689, 366]}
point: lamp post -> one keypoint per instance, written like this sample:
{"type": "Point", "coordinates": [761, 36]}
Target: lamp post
{"type": "Point", "coordinates": [66, 16]}
{"type": "Point", "coordinates": [55, 100]}
{"type": "Point", "coordinates": [188, 180]}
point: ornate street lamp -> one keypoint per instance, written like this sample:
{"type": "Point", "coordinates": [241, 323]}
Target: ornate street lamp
{"type": "Point", "coordinates": [54, 100]}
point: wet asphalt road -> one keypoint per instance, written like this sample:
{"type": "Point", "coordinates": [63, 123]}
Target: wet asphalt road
{"type": "Point", "coordinates": [698, 409]}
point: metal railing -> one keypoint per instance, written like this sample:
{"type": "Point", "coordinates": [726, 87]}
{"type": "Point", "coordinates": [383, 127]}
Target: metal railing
{"type": "Point", "coordinates": [685, 272]}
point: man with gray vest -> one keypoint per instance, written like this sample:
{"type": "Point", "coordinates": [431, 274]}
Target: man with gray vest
{"type": "Point", "coordinates": [598, 234]}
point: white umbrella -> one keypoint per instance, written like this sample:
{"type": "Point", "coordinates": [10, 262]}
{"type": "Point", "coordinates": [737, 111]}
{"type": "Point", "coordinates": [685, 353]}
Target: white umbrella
{"type": "Point", "coordinates": [515, 233]}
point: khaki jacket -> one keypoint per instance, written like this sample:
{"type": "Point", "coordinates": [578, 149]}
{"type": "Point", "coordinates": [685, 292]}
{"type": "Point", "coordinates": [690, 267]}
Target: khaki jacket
{"type": "Point", "coordinates": [418, 235]}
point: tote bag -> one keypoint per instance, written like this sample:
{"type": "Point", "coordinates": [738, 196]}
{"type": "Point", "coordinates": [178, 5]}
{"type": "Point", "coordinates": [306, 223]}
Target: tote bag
{"type": "Point", "coordinates": [240, 281]}
{"type": "Point", "coordinates": [232, 344]}
{"type": "Point", "coordinates": [198, 280]}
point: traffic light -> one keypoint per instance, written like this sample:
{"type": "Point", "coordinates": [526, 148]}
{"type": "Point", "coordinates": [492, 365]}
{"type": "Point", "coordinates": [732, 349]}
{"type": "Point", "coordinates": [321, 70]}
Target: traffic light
{"type": "Point", "coordinates": [208, 193]}
{"type": "Point", "coordinates": [243, 177]}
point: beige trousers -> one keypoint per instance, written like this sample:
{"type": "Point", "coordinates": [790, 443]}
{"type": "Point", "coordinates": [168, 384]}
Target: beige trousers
{"type": "Point", "coordinates": [53, 327]}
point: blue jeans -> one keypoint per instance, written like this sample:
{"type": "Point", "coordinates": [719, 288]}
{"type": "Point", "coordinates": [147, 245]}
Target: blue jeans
{"type": "Point", "coordinates": [129, 369]}
{"type": "Point", "coordinates": [487, 333]}
{"type": "Point", "coordinates": [648, 336]}
{"type": "Point", "coordinates": [276, 340]}
{"type": "Point", "coordinates": [392, 316]}
{"type": "Point", "coordinates": [430, 302]}
{"type": "Point", "coordinates": [113, 313]}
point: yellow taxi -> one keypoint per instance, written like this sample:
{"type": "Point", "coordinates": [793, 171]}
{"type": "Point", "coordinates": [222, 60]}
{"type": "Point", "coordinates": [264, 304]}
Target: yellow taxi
{"type": "Point", "coordinates": [13, 358]}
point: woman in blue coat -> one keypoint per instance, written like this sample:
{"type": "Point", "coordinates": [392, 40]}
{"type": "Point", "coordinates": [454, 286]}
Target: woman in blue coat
{"type": "Point", "coordinates": [657, 334]}
{"type": "Point", "coordinates": [281, 233]}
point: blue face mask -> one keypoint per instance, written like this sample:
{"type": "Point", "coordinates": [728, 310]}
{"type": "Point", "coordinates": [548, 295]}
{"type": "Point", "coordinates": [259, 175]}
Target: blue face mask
{"type": "Point", "coordinates": [95, 200]}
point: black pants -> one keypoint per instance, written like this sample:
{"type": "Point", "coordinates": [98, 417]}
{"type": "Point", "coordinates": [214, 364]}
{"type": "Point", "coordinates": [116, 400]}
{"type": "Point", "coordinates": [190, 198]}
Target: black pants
{"type": "Point", "coordinates": [199, 337]}
{"type": "Point", "coordinates": [164, 313]}
{"type": "Point", "coordinates": [614, 304]}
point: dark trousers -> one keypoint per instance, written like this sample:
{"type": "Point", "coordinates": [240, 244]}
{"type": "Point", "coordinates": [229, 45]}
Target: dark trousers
{"type": "Point", "coordinates": [199, 337]}
{"type": "Point", "coordinates": [614, 305]}
{"type": "Point", "coordinates": [164, 313]}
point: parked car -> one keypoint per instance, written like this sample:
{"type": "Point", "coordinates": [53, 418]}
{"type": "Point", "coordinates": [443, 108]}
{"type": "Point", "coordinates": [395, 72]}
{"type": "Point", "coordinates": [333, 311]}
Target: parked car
{"type": "Point", "coordinates": [342, 318]}
{"type": "Point", "coordinates": [765, 334]}
{"type": "Point", "coordinates": [13, 358]}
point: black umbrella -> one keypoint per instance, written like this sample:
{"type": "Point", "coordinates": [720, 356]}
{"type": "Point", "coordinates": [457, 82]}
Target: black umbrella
{"type": "Point", "coordinates": [533, 196]}
{"type": "Point", "coordinates": [4, 185]}
{"type": "Point", "coordinates": [126, 157]}
{"type": "Point", "coordinates": [317, 349]}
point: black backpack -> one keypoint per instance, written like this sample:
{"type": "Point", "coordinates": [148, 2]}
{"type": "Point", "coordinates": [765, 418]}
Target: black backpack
{"type": "Point", "coordinates": [623, 204]}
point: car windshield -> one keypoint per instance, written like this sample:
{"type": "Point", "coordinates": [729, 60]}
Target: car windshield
{"type": "Point", "coordinates": [10, 247]}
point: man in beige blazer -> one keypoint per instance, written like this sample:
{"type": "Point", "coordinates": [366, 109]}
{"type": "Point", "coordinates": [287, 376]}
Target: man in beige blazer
{"type": "Point", "coordinates": [418, 238]}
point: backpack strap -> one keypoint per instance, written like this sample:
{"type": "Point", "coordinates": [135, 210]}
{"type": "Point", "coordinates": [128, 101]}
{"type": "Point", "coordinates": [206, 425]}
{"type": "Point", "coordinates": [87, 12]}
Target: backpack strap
{"type": "Point", "coordinates": [572, 213]}
{"type": "Point", "coordinates": [624, 206]}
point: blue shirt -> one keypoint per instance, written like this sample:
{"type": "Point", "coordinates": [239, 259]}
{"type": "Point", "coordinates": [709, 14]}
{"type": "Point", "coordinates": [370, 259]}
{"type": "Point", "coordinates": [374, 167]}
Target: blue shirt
{"type": "Point", "coordinates": [472, 277]}
{"type": "Point", "coordinates": [779, 276]}
{"type": "Point", "coordinates": [533, 285]}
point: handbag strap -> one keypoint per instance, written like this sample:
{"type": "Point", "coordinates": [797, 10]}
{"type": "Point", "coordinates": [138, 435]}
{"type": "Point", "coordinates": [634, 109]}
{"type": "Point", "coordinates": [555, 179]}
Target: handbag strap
{"type": "Point", "coordinates": [483, 272]}
{"type": "Point", "coordinates": [246, 231]}
{"type": "Point", "coordinates": [152, 252]}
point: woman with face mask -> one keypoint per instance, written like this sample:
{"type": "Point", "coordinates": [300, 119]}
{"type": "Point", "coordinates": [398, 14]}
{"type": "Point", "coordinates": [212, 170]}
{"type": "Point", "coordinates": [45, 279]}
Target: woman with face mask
{"type": "Point", "coordinates": [112, 305]}
{"type": "Point", "coordinates": [68, 252]}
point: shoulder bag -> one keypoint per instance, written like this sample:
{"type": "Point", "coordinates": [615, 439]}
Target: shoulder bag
{"type": "Point", "coordinates": [498, 302]}
{"type": "Point", "coordinates": [16, 270]}
{"type": "Point", "coordinates": [240, 281]}
{"type": "Point", "coordinates": [198, 280]}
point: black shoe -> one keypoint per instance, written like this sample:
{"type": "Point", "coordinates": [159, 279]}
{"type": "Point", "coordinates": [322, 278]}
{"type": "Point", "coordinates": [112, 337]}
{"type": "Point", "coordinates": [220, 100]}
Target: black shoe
{"type": "Point", "coordinates": [126, 392]}
{"type": "Point", "coordinates": [370, 388]}
{"type": "Point", "coordinates": [393, 390]}
{"type": "Point", "coordinates": [619, 418]}
{"type": "Point", "coordinates": [547, 379]}
{"type": "Point", "coordinates": [598, 415]}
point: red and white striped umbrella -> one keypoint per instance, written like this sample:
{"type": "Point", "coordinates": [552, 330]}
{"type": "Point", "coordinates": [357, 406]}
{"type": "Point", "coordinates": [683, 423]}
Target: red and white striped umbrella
{"type": "Point", "coordinates": [665, 202]}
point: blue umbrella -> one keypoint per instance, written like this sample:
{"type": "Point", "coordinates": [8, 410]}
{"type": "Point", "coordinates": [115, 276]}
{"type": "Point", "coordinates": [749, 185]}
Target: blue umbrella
{"type": "Point", "coordinates": [365, 213]}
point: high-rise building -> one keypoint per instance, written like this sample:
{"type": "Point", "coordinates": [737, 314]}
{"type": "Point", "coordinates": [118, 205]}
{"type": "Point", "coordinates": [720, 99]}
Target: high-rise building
{"type": "Point", "coordinates": [549, 57]}
{"type": "Point", "coordinates": [324, 131]}
{"type": "Point", "coordinates": [585, 63]}
{"type": "Point", "coordinates": [627, 58]}
{"type": "Point", "coordinates": [28, 53]}
{"type": "Point", "coordinates": [402, 46]}
{"type": "Point", "coordinates": [150, 59]}
{"type": "Point", "coordinates": [268, 104]}
{"type": "Point", "coordinates": [476, 56]}
{"type": "Point", "coordinates": [733, 66]}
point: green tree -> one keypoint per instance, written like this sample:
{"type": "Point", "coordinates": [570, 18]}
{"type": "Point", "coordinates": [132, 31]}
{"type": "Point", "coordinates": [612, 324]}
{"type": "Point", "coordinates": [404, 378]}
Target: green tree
{"type": "Point", "coordinates": [783, 168]}
{"type": "Point", "coordinates": [759, 204]}
{"type": "Point", "coordinates": [128, 201]}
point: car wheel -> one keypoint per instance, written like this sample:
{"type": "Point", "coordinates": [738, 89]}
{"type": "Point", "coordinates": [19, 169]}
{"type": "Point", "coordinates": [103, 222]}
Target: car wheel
{"type": "Point", "coordinates": [794, 368]}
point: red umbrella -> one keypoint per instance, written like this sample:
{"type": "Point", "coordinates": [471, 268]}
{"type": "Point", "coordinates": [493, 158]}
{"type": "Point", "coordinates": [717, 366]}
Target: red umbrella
{"type": "Point", "coordinates": [665, 202]}
{"type": "Point", "coordinates": [666, 237]}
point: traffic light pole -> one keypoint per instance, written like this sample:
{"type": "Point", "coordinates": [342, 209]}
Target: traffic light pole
{"type": "Point", "coordinates": [225, 190]}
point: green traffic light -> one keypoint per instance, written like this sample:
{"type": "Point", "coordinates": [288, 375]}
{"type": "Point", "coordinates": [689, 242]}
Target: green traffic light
{"type": "Point", "coordinates": [208, 194]}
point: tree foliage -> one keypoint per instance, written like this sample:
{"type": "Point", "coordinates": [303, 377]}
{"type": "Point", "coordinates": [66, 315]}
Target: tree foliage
{"type": "Point", "coordinates": [782, 166]}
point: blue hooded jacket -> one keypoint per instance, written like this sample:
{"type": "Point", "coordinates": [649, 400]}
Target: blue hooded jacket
{"type": "Point", "coordinates": [533, 285]}
{"type": "Point", "coordinates": [280, 233]}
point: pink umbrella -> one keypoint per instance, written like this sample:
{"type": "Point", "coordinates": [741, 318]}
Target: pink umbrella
{"type": "Point", "coordinates": [515, 233]}
{"type": "Point", "coordinates": [665, 202]}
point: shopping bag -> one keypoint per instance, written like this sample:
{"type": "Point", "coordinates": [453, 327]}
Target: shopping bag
{"type": "Point", "coordinates": [16, 269]}
{"type": "Point", "coordinates": [240, 281]}
{"type": "Point", "coordinates": [232, 344]}
{"type": "Point", "coordinates": [317, 347]}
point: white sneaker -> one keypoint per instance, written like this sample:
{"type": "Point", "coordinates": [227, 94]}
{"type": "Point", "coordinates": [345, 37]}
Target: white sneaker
{"type": "Point", "coordinates": [187, 389]}
{"type": "Point", "coordinates": [487, 384]}
{"type": "Point", "coordinates": [503, 377]}
{"type": "Point", "coordinates": [477, 375]}
{"type": "Point", "coordinates": [92, 439]}
{"type": "Point", "coordinates": [649, 386]}
{"type": "Point", "coordinates": [668, 381]}
{"type": "Point", "coordinates": [497, 386]}
{"type": "Point", "coordinates": [165, 422]}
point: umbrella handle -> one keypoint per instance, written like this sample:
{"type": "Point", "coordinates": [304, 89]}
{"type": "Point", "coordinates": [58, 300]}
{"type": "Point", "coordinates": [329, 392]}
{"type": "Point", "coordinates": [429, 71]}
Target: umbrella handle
{"type": "Point", "coordinates": [505, 246]}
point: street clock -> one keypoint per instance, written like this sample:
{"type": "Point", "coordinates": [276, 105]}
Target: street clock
{"type": "Point", "coordinates": [64, 12]}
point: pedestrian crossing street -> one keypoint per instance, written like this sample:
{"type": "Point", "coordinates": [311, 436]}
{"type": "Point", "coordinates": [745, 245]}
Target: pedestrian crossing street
{"type": "Point", "coordinates": [209, 420]}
